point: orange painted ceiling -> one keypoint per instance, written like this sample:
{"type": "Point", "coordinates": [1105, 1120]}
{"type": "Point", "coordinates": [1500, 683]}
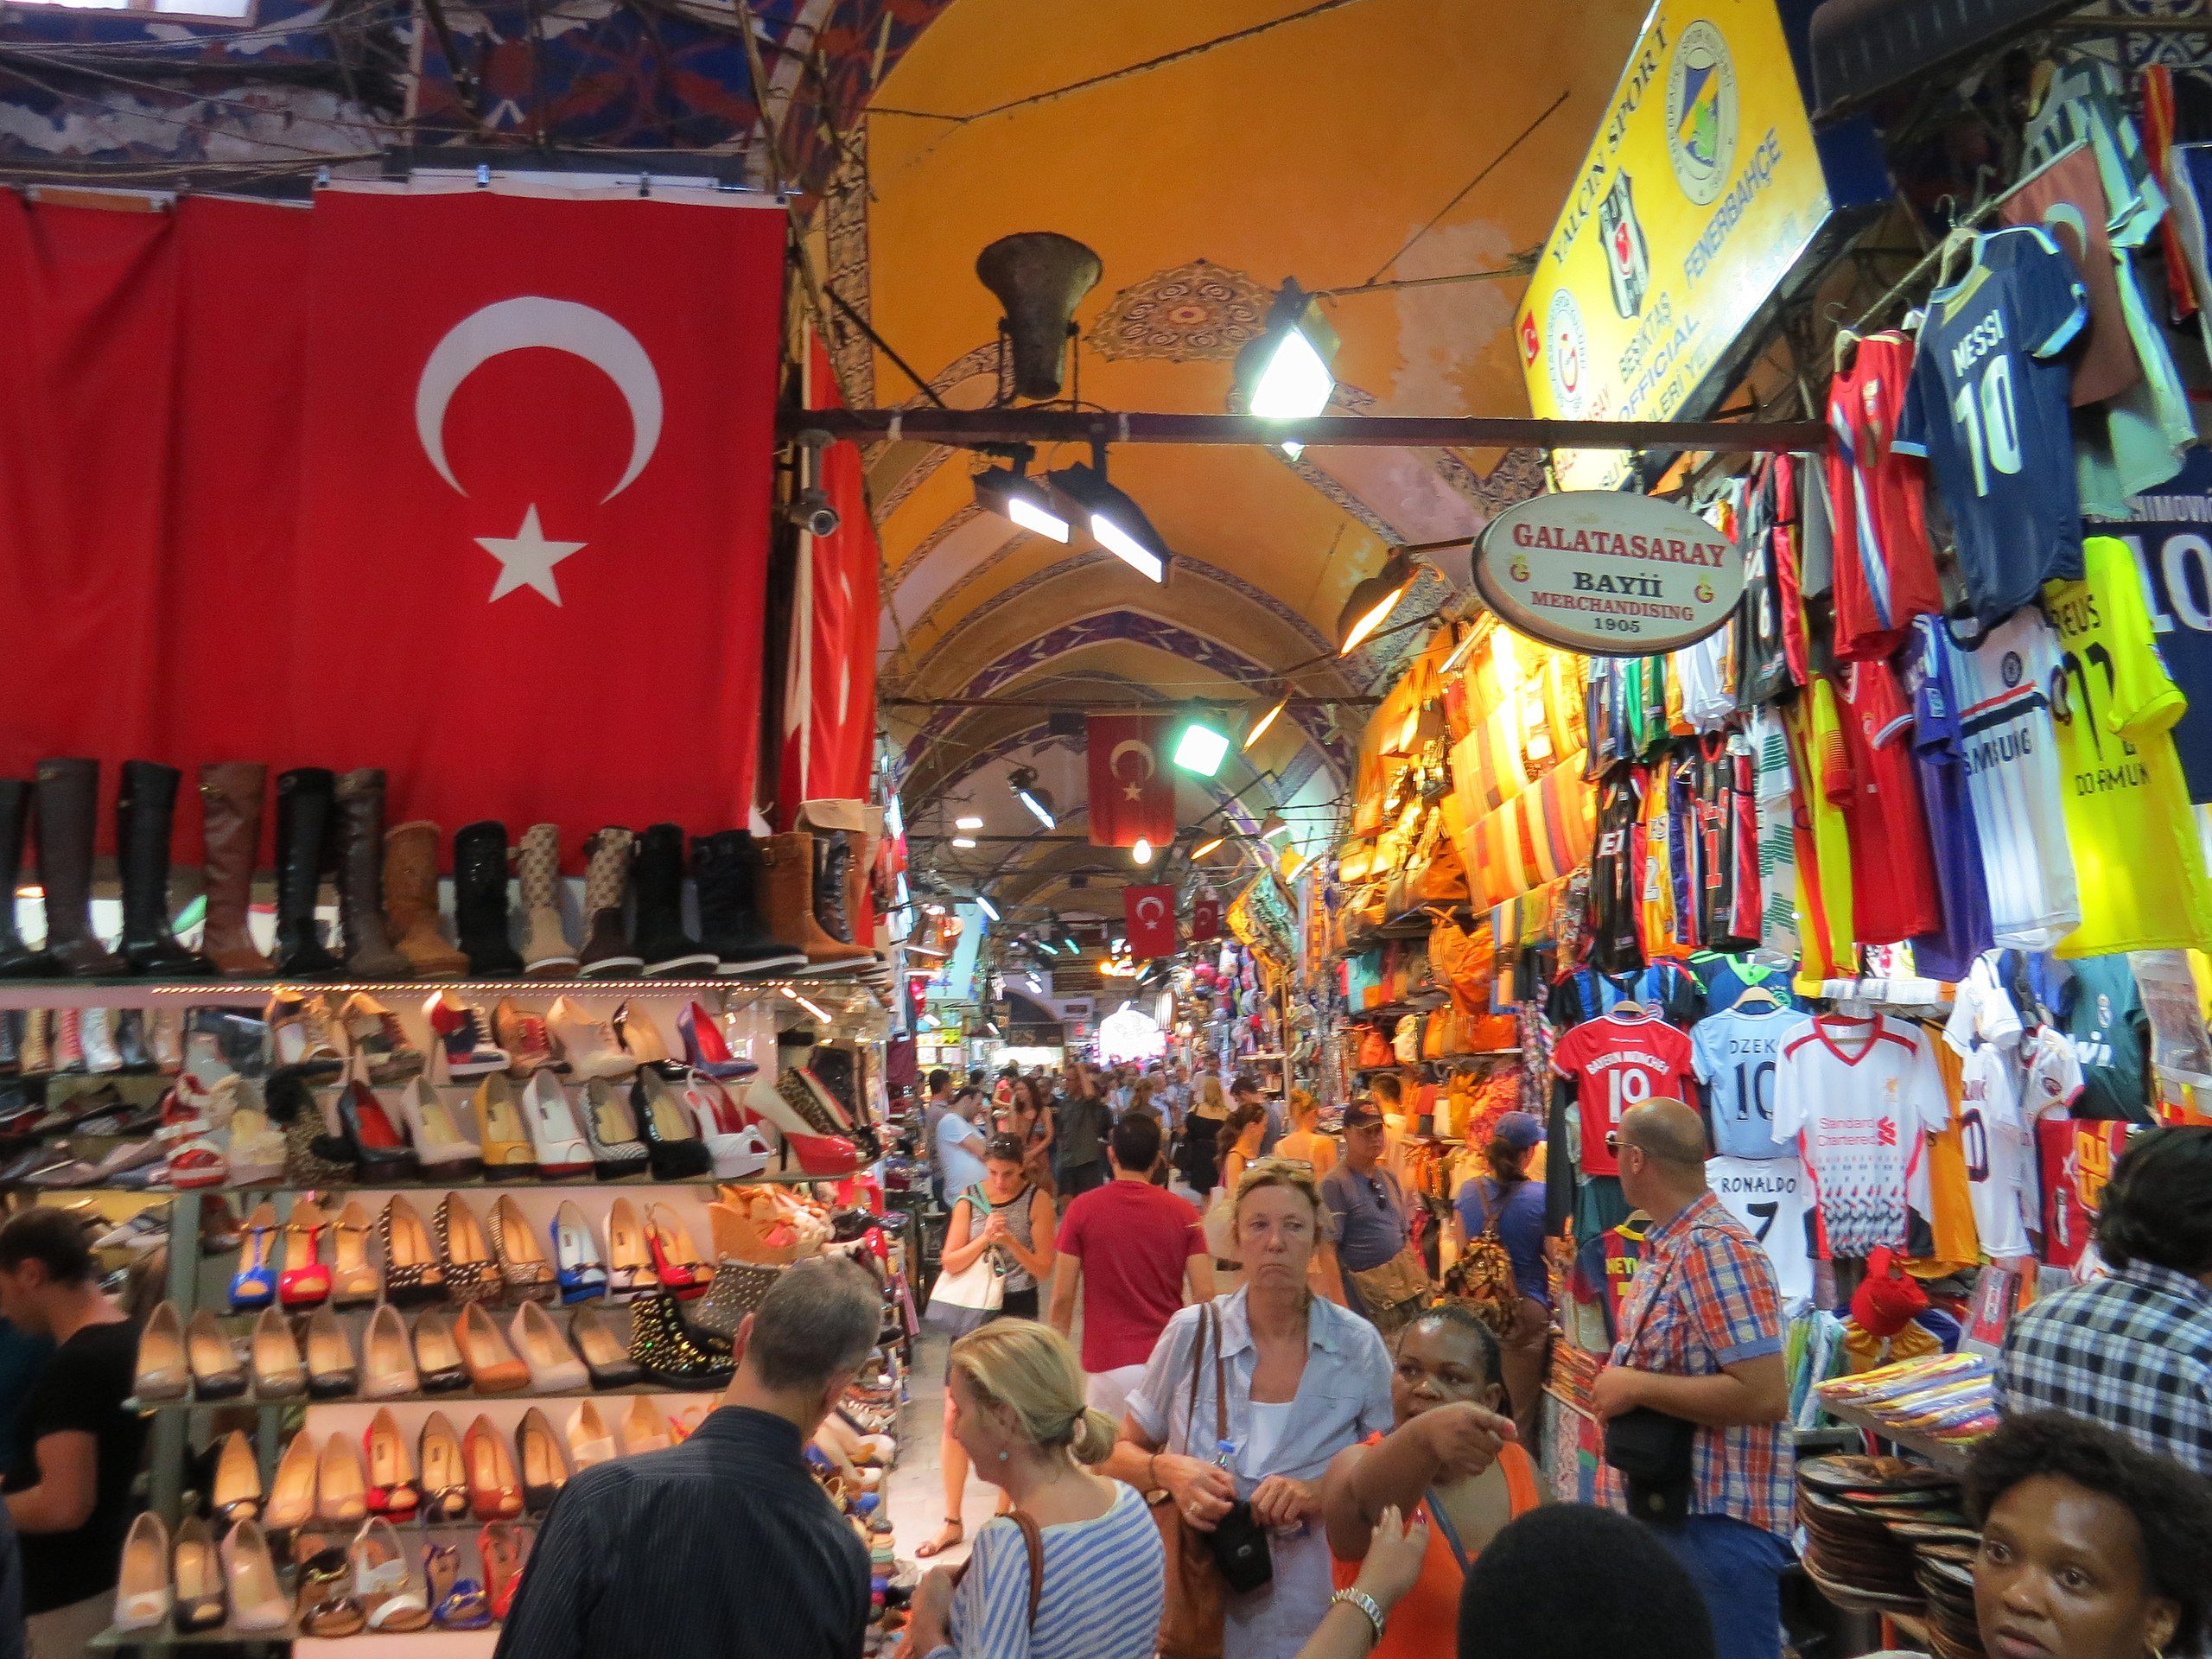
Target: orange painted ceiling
{"type": "Point", "coordinates": [1206, 152]}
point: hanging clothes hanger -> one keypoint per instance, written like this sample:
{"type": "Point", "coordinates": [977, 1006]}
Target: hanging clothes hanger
{"type": "Point", "coordinates": [1759, 994]}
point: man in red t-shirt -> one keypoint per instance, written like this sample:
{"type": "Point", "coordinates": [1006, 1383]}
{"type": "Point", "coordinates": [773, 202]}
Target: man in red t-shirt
{"type": "Point", "coordinates": [1133, 1247]}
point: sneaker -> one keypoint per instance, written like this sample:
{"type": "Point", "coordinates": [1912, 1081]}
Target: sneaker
{"type": "Point", "coordinates": [130, 1041]}
{"type": "Point", "coordinates": [303, 1038]}
{"type": "Point", "coordinates": [374, 1033]}
{"type": "Point", "coordinates": [464, 1036]}
{"type": "Point", "coordinates": [524, 1036]}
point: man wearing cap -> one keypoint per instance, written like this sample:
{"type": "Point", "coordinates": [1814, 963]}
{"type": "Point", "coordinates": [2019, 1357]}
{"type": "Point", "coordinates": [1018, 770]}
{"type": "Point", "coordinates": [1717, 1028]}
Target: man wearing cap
{"type": "Point", "coordinates": [1509, 1203]}
{"type": "Point", "coordinates": [1371, 1221]}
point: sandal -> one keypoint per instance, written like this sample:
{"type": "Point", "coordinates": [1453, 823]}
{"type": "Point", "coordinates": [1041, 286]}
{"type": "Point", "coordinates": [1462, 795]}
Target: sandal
{"type": "Point", "coordinates": [949, 1537]}
{"type": "Point", "coordinates": [457, 1604]}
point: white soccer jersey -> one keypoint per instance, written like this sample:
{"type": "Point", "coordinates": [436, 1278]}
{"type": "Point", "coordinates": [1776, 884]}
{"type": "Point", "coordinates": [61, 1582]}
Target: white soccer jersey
{"type": "Point", "coordinates": [2014, 779]}
{"type": "Point", "coordinates": [1993, 1138]}
{"type": "Point", "coordinates": [1862, 1096]}
{"type": "Point", "coordinates": [1772, 1197]}
{"type": "Point", "coordinates": [1777, 837]}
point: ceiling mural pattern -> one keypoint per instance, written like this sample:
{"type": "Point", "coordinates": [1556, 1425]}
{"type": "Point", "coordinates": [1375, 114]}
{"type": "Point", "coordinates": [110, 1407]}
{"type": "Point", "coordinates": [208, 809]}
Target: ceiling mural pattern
{"type": "Point", "coordinates": [1191, 313]}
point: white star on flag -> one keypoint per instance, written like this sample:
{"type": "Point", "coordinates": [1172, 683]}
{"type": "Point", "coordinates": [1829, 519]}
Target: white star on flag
{"type": "Point", "coordinates": [526, 558]}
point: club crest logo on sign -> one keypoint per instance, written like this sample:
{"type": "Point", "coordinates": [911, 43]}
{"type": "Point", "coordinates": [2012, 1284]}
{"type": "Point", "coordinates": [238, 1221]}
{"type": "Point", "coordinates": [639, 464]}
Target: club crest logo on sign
{"type": "Point", "coordinates": [1701, 112]}
{"type": "Point", "coordinates": [1570, 352]}
{"type": "Point", "coordinates": [1628, 257]}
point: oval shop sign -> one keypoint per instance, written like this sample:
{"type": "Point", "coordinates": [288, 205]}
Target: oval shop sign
{"type": "Point", "coordinates": [1607, 573]}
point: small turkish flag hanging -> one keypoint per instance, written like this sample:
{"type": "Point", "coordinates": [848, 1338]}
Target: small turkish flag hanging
{"type": "Point", "coordinates": [1132, 795]}
{"type": "Point", "coordinates": [1205, 919]}
{"type": "Point", "coordinates": [1150, 913]}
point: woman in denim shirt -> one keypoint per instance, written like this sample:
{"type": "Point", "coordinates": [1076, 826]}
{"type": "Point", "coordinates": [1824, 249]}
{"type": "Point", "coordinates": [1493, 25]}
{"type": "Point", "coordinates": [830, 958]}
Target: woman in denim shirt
{"type": "Point", "coordinates": [1306, 1379]}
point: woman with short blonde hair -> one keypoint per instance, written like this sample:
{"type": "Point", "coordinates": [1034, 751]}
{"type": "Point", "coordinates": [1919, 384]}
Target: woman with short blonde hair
{"type": "Point", "coordinates": [1306, 1144]}
{"type": "Point", "coordinates": [1086, 1546]}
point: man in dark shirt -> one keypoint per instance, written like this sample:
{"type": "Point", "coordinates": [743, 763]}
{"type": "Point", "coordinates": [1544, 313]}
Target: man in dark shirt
{"type": "Point", "coordinates": [723, 1548]}
{"type": "Point", "coordinates": [68, 1492]}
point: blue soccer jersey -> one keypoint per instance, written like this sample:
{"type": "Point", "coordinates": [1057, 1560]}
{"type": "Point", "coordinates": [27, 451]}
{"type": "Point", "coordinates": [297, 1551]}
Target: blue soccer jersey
{"type": "Point", "coordinates": [1734, 1054]}
{"type": "Point", "coordinates": [1988, 409]}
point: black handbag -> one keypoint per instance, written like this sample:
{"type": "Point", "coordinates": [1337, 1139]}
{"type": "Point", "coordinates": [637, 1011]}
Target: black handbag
{"type": "Point", "coordinates": [1239, 1544]}
{"type": "Point", "coordinates": [1653, 1452]}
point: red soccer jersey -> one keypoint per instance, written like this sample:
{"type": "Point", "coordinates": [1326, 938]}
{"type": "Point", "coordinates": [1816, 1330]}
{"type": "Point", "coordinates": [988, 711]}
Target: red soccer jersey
{"type": "Point", "coordinates": [1884, 571]}
{"type": "Point", "coordinates": [1613, 1063]}
{"type": "Point", "coordinates": [1893, 890]}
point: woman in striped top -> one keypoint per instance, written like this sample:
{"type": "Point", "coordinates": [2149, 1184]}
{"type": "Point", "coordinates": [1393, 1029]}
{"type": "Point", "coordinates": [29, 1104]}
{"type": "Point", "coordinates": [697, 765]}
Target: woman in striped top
{"type": "Point", "coordinates": [1017, 1393]}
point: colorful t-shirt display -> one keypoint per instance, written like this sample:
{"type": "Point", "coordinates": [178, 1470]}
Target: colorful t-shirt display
{"type": "Point", "coordinates": [2102, 1012]}
{"type": "Point", "coordinates": [2013, 779]}
{"type": "Point", "coordinates": [1614, 1062]}
{"type": "Point", "coordinates": [2170, 530]}
{"type": "Point", "coordinates": [1861, 1096]}
{"type": "Point", "coordinates": [1821, 839]}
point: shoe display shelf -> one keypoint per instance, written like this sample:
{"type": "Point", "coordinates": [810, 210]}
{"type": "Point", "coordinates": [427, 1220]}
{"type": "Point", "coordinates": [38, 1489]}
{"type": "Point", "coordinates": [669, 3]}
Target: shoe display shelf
{"type": "Point", "coordinates": [133, 993]}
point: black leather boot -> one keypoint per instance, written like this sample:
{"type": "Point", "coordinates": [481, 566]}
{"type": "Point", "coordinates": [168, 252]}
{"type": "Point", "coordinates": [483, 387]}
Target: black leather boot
{"type": "Point", "coordinates": [480, 901]}
{"type": "Point", "coordinates": [17, 960]}
{"type": "Point", "coordinates": [726, 869]}
{"type": "Point", "coordinates": [661, 940]}
{"type": "Point", "coordinates": [306, 813]}
{"type": "Point", "coordinates": [146, 812]}
{"type": "Point", "coordinates": [69, 807]}
{"type": "Point", "coordinates": [832, 854]}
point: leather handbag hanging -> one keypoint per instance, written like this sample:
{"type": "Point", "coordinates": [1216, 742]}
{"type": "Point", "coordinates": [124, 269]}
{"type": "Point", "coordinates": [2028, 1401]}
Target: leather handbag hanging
{"type": "Point", "coordinates": [1190, 1623]}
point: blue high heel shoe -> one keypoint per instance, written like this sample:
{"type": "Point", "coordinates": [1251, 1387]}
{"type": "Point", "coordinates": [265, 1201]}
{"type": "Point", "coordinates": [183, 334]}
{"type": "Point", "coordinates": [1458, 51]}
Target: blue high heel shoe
{"type": "Point", "coordinates": [578, 1268]}
{"type": "Point", "coordinates": [253, 1286]}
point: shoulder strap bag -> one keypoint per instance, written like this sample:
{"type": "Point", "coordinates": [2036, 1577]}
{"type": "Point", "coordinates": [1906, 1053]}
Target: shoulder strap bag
{"type": "Point", "coordinates": [1652, 1451]}
{"type": "Point", "coordinates": [1190, 1623]}
{"type": "Point", "coordinates": [1032, 1546]}
{"type": "Point", "coordinates": [962, 1301]}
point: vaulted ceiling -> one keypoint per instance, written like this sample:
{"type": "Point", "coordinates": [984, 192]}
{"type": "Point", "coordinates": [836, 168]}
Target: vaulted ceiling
{"type": "Point", "coordinates": [1207, 153]}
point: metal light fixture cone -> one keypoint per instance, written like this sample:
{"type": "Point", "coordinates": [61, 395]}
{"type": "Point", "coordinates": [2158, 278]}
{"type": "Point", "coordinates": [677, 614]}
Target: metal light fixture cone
{"type": "Point", "coordinates": [1286, 373]}
{"type": "Point", "coordinates": [1040, 276]}
{"type": "Point", "coordinates": [1012, 494]}
{"type": "Point", "coordinates": [1372, 601]}
{"type": "Point", "coordinates": [1115, 522]}
{"type": "Point", "coordinates": [1273, 825]}
{"type": "Point", "coordinates": [1035, 799]}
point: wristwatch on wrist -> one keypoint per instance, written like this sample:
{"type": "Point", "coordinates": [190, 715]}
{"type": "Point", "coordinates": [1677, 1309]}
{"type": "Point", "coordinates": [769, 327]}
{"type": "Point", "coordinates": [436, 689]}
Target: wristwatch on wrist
{"type": "Point", "coordinates": [1367, 1605]}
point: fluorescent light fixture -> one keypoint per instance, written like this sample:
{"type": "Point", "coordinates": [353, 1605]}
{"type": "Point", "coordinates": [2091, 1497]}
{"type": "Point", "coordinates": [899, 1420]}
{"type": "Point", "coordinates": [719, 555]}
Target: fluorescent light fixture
{"type": "Point", "coordinates": [813, 1008]}
{"type": "Point", "coordinates": [1201, 749]}
{"type": "Point", "coordinates": [1117, 523]}
{"type": "Point", "coordinates": [963, 841]}
{"type": "Point", "coordinates": [1074, 950]}
{"type": "Point", "coordinates": [1273, 825]}
{"type": "Point", "coordinates": [1205, 847]}
{"type": "Point", "coordinates": [1142, 851]}
{"type": "Point", "coordinates": [1284, 374]}
{"type": "Point", "coordinates": [968, 821]}
{"type": "Point", "coordinates": [1009, 493]}
{"type": "Point", "coordinates": [1372, 601]}
{"type": "Point", "coordinates": [984, 904]}
{"type": "Point", "coordinates": [1260, 727]}
{"type": "Point", "coordinates": [1039, 803]}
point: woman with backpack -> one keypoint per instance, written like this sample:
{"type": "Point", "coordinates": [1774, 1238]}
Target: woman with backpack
{"type": "Point", "coordinates": [1507, 1207]}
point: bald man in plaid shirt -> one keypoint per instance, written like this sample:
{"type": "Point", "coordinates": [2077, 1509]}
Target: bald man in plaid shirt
{"type": "Point", "coordinates": [1701, 1340]}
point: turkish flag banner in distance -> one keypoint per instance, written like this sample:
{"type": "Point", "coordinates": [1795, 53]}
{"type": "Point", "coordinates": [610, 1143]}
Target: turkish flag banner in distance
{"type": "Point", "coordinates": [1150, 915]}
{"type": "Point", "coordinates": [472, 486]}
{"type": "Point", "coordinates": [1132, 792]}
{"type": "Point", "coordinates": [1205, 918]}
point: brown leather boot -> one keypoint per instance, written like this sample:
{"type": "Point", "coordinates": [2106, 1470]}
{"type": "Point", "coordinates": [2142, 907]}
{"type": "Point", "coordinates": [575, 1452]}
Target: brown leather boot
{"type": "Point", "coordinates": [230, 793]}
{"type": "Point", "coordinates": [787, 868]}
{"type": "Point", "coordinates": [370, 953]}
{"type": "Point", "coordinates": [410, 901]}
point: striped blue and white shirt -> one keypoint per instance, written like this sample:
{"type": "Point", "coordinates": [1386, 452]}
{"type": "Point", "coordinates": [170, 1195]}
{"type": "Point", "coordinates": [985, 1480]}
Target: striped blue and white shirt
{"type": "Point", "coordinates": [1105, 1586]}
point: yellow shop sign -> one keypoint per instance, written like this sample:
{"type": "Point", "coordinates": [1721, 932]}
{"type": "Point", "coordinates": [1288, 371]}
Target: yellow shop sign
{"type": "Point", "coordinates": [1700, 194]}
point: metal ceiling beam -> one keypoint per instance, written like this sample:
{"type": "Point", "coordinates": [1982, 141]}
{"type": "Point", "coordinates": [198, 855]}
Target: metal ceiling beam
{"type": "Point", "coordinates": [1041, 425]}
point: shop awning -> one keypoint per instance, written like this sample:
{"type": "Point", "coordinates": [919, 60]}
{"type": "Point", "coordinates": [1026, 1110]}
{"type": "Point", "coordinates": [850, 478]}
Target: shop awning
{"type": "Point", "coordinates": [1862, 48]}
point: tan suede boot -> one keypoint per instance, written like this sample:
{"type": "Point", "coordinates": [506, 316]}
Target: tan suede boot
{"type": "Point", "coordinates": [410, 901]}
{"type": "Point", "coordinates": [788, 873]}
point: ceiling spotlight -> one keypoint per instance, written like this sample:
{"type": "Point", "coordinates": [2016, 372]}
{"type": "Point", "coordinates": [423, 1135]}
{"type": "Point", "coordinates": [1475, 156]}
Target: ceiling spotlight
{"type": "Point", "coordinates": [1205, 847]}
{"type": "Point", "coordinates": [1117, 523]}
{"type": "Point", "coordinates": [1273, 825]}
{"type": "Point", "coordinates": [1023, 781]}
{"type": "Point", "coordinates": [1260, 728]}
{"type": "Point", "coordinates": [1201, 749]}
{"type": "Point", "coordinates": [1284, 374]}
{"type": "Point", "coordinates": [1012, 494]}
{"type": "Point", "coordinates": [969, 821]}
{"type": "Point", "coordinates": [963, 841]}
{"type": "Point", "coordinates": [1372, 601]}
{"type": "Point", "coordinates": [983, 903]}
{"type": "Point", "coordinates": [1142, 851]}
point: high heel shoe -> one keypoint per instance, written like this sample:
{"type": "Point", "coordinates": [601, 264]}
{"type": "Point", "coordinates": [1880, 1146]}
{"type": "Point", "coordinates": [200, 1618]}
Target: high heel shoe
{"type": "Point", "coordinates": [544, 1464]}
{"type": "Point", "coordinates": [218, 1372]}
{"type": "Point", "coordinates": [163, 1370]}
{"type": "Point", "coordinates": [257, 1603]}
{"type": "Point", "coordinates": [143, 1592]}
{"type": "Point", "coordinates": [645, 1428]}
{"type": "Point", "coordinates": [553, 1367]}
{"type": "Point", "coordinates": [502, 1131]}
{"type": "Point", "coordinates": [437, 1355]}
{"type": "Point", "coordinates": [740, 1149]}
{"type": "Point", "coordinates": [640, 1037]}
{"type": "Point", "coordinates": [379, 1151]}
{"type": "Point", "coordinates": [332, 1372]}
{"type": "Point", "coordinates": [492, 1367]}
{"type": "Point", "coordinates": [588, 1440]}
{"type": "Point", "coordinates": [586, 1042]}
{"type": "Point", "coordinates": [524, 1036]}
{"type": "Point", "coordinates": [234, 1494]}
{"type": "Point", "coordinates": [704, 1050]}
{"type": "Point", "coordinates": [616, 1151]}
{"type": "Point", "coordinates": [629, 1260]}
{"type": "Point", "coordinates": [504, 1550]}
{"type": "Point", "coordinates": [818, 1155]}
{"type": "Point", "coordinates": [394, 1601]}
{"type": "Point", "coordinates": [341, 1485]}
{"type": "Point", "coordinates": [200, 1604]}
{"type": "Point", "coordinates": [494, 1493]}
{"type": "Point", "coordinates": [412, 1275]}
{"type": "Point", "coordinates": [463, 1036]}
{"type": "Point", "coordinates": [607, 1361]}
{"type": "Point", "coordinates": [557, 1143]}
{"type": "Point", "coordinates": [676, 1258]}
{"type": "Point", "coordinates": [256, 1152]}
{"type": "Point", "coordinates": [354, 1281]}
{"type": "Point", "coordinates": [673, 1148]}
{"type": "Point", "coordinates": [375, 1038]}
{"type": "Point", "coordinates": [392, 1491]}
{"type": "Point", "coordinates": [194, 1158]}
{"type": "Point", "coordinates": [444, 1152]}
{"type": "Point", "coordinates": [253, 1287]}
{"type": "Point", "coordinates": [305, 1281]}
{"type": "Point", "coordinates": [387, 1362]}
{"type": "Point", "coordinates": [280, 1372]}
{"type": "Point", "coordinates": [445, 1471]}
{"type": "Point", "coordinates": [669, 1352]}
{"type": "Point", "coordinates": [471, 1275]}
{"type": "Point", "coordinates": [576, 1260]}
{"type": "Point", "coordinates": [291, 1495]}
{"type": "Point", "coordinates": [456, 1603]}
{"type": "Point", "coordinates": [528, 1274]}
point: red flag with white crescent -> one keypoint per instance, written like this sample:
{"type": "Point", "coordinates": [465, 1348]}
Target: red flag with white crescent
{"type": "Point", "coordinates": [1205, 918]}
{"type": "Point", "coordinates": [1150, 915]}
{"type": "Point", "coordinates": [1132, 792]}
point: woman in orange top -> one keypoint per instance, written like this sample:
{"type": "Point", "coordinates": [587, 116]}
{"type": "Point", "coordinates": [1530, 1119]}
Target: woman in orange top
{"type": "Point", "coordinates": [1450, 1461]}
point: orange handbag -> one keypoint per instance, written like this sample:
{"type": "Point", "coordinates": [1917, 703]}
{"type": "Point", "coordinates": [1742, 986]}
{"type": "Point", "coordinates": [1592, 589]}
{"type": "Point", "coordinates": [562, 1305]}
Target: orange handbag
{"type": "Point", "coordinates": [1375, 1048]}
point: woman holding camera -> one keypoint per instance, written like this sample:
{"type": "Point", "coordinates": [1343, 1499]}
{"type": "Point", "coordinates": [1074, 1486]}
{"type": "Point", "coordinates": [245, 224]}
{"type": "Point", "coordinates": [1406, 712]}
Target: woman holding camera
{"type": "Point", "coordinates": [1300, 1379]}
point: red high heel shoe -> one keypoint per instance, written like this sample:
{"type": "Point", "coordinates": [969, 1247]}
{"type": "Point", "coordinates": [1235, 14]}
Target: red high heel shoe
{"type": "Point", "coordinates": [676, 1258]}
{"type": "Point", "coordinates": [824, 1156]}
{"type": "Point", "coordinates": [504, 1548]}
{"type": "Point", "coordinates": [305, 1281]}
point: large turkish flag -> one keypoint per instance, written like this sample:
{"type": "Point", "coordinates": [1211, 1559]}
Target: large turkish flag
{"type": "Point", "coordinates": [1132, 792]}
{"type": "Point", "coordinates": [470, 485]}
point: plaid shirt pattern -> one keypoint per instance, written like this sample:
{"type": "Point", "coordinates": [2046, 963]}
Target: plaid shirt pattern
{"type": "Point", "coordinates": [2132, 1350]}
{"type": "Point", "coordinates": [1705, 1298]}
